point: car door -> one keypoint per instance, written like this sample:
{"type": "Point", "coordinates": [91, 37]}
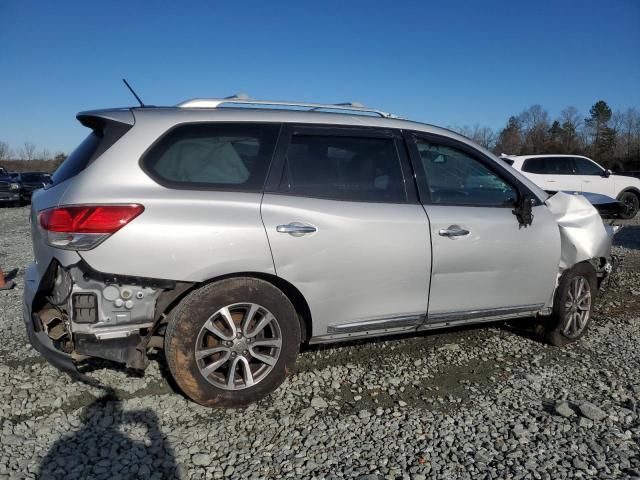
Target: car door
{"type": "Point", "coordinates": [346, 229]}
{"type": "Point", "coordinates": [593, 178]}
{"type": "Point", "coordinates": [553, 174]}
{"type": "Point", "coordinates": [485, 264]}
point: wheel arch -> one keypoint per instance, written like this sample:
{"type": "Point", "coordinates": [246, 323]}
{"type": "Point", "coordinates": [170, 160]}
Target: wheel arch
{"type": "Point", "coordinates": [290, 291]}
{"type": "Point", "coordinates": [629, 190]}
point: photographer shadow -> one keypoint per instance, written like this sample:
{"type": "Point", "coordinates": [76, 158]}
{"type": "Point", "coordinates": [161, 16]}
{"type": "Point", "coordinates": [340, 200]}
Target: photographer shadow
{"type": "Point", "coordinates": [101, 449]}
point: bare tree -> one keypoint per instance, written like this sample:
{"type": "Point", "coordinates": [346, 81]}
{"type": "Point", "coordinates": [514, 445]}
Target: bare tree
{"type": "Point", "coordinates": [4, 151]}
{"type": "Point", "coordinates": [629, 133]}
{"type": "Point", "coordinates": [534, 123]}
{"type": "Point", "coordinates": [481, 135]}
{"type": "Point", "coordinates": [45, 155]}
{"type": "Point", "coordinates": [572, 133]}
{"type": "Point", "coordinates": [572, 116]}
{"type": "Point", "coordinates": [485, 136]}
{"type": "Point", "coordinates": [27, 151]}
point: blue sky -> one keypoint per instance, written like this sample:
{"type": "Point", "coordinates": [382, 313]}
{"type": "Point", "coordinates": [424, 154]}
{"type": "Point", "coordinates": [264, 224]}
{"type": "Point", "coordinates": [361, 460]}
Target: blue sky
{"type": "Point", "coordinates": [446, 63]}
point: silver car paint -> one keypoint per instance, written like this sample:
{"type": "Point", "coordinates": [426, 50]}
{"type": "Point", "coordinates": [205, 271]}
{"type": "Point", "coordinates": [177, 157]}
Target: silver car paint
{"type": "Point", "coordinates": [366, 263]}
{"type": "Point", "coordinates": [351, 270]}
{"type": "Point", "coordinates": [193, 238]}
{"type": "Point", "coordinates": [499, 264]}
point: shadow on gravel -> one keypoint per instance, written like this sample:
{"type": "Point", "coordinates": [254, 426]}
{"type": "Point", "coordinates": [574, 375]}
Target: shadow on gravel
{"type": "Point", "coordinates": [101, 449]}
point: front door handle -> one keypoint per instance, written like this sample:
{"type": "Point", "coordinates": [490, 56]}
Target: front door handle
{"type": "Point", "coordinates": [296, 229]}
{"type": "Point", "coordinates": [453, 231]}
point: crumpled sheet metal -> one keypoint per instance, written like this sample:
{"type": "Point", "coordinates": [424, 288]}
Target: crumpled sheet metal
{"type": "Point", "coordinates": [583, 235]}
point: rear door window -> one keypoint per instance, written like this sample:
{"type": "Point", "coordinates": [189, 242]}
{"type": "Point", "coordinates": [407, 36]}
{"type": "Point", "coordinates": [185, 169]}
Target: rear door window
{"type": "Point", "coordinates": [548, 166]}
{"type": "Point", "coordinates": [359, 169]}
{"type": "Point", "coordinates": [213, 155]}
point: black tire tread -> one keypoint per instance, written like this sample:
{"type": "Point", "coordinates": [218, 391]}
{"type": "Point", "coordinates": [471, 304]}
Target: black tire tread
{"type": "Point", "coordinates": [198, 389]}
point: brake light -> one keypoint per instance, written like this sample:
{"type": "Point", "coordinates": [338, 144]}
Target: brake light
{"type": "Point", "coordinates": [86, 226]}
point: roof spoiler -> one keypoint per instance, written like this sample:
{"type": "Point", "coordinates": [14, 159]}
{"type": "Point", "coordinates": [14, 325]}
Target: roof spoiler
{"type": "Point", "coordinates": [97, 119]}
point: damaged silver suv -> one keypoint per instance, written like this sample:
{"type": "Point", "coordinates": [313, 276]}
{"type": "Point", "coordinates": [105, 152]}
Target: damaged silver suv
{"type": "Point", "coordinates": [228, 232]}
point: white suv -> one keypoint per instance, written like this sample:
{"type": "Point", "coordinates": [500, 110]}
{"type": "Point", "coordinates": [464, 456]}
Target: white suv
{"type": "Point", "coordinates": [578, 174]}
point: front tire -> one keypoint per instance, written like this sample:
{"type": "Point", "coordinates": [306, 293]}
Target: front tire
{"type": "Point", "coordinates": [232, 342]}
{"type": "Point", "coordinates": [573, 305]}
{"type": "Point", "coordinates": [632, 201]}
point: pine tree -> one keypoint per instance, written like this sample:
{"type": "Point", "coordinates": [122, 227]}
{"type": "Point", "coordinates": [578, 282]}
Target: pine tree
{"type": "Point", "coordinates": [554, 138]}
{"type": "Point", "coordinates": [510, 138]}
{"type": "Point", "coordinates": [600, 114]}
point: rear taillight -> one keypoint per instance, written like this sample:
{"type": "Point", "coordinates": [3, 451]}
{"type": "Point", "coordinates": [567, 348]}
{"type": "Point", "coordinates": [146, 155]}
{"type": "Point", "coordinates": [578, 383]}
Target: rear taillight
{"type": "Point", "coordinates": [86, 226]}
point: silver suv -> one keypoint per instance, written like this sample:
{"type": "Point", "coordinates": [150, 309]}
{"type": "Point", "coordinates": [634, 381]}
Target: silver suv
{"type": "Point", "coordinates": [228, 235]}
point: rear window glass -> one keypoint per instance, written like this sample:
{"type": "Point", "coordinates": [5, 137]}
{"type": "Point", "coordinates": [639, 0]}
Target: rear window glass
{"type": "Point", "coordinates": [32, 177]}
{"type": "Point", "coordinates": [217, 156]}
{"type": "Point", "coordinates": [548, 165]}
{"type": "Point", "coordinates": [78, 160]}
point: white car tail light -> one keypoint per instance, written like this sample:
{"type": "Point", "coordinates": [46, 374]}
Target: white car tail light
{"type": "Point", "coordinates": [84, 227]}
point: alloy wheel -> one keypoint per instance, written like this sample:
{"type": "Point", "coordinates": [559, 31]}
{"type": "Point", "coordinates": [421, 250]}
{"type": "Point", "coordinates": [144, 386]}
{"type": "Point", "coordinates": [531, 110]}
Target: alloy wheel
{"type": "Point", "coordinates": [577, 307]}
{"type": "Point", "coordinates": [238, 346]}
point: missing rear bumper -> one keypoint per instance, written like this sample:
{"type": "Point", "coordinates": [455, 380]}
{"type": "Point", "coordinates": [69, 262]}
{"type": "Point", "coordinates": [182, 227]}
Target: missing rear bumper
{"type": "Point", "coordinates": [74, 313]}
{"type": "Point", "coordinates": [44, 345]}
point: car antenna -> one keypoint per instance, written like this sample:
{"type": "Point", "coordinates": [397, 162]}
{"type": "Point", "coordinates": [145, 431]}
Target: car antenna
{"type": "Point", "coordinates": [133, 92]}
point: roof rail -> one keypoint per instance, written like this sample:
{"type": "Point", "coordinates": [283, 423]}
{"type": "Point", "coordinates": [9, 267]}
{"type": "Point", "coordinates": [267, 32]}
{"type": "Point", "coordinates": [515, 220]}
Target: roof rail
{"type": "Point", "coordinates": [243, 99]}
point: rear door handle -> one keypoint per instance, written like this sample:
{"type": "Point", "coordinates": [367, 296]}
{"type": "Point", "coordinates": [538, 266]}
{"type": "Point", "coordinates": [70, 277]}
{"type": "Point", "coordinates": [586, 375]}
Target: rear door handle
{"type": "Point", "coordinates": [453, 231]}
{"type": "Point", "coordinates": [296, 229]}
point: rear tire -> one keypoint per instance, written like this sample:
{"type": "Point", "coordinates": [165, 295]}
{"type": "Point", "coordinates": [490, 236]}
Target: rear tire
{"type": "Point", "coordinates": [232, 342]}
{"type": "Point", "coordinates": [632, 201]}
{"type": "Point", "coordinates": [572, 306]}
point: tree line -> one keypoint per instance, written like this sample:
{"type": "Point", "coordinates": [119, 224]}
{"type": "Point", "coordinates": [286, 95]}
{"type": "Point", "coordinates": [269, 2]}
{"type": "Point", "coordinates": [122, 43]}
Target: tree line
{"type": "Point", "coordinates": [28, 157]}
{"type": "Point", "coordinates": [610, 138]}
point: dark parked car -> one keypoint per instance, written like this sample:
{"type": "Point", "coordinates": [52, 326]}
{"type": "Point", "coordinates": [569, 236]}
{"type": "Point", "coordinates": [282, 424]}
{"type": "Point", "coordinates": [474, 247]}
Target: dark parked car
{"type": "Point", "coordinates": [9, 191]}
{"type": "Point", "coordinates": [30, 181]}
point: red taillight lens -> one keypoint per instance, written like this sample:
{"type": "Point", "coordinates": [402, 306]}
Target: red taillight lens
{"type": "Point", "coordinates": [89, 218]}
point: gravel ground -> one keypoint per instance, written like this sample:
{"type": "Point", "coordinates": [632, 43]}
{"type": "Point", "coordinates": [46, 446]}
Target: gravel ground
{"type": "Point", "coordinates": [485, 402]}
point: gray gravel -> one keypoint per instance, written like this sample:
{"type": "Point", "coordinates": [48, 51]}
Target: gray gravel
{"type": "Point", "coordinates": [487, 402]}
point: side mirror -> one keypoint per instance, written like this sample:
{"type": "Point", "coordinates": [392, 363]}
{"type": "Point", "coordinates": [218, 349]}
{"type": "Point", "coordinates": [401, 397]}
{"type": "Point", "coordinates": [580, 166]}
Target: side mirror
{"type": "Point", "coordinates": [523, 210]}
{"type": "Point", "coordinates": [606, 173]}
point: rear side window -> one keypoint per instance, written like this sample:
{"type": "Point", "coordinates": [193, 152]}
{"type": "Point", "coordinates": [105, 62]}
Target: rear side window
{"type": "Point", "coordinates": [104, 135]}
{"type": "Point", "coordinates": [548, 165]}
{"type": "Point", "coordinates": [78, 160]}
{"type": "Point", "coordinates": [586, 167]}
{"type": "Point", "coordinates": [355, 169]}
{"type": "Point", "coordinates": [214, 155]}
